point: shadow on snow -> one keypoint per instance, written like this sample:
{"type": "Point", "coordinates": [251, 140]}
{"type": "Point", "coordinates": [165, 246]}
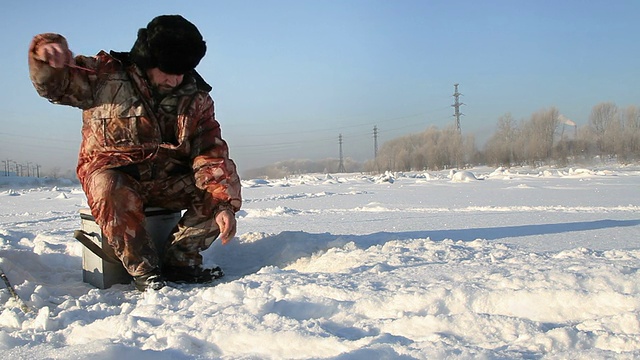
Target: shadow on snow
{"type": "Point", "coordinates": [244, 258]}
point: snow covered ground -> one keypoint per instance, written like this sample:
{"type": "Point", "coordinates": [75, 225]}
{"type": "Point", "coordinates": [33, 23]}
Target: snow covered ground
{"type": "Point", "coordinates": [492, 264]}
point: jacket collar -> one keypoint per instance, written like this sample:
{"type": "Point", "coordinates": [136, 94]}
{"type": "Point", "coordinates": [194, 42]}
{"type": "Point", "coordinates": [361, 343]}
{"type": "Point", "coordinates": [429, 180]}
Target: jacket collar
{"type": "Point", "coordinates": [192, 81]}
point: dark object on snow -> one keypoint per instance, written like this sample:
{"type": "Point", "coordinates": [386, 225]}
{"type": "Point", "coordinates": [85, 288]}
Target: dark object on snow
{"type": "Point", "coordinates": [151, 281]}
{"type": "Point", "coordinates": [23, 306]}
{"type": "Point", "coordinates": [191, 274]}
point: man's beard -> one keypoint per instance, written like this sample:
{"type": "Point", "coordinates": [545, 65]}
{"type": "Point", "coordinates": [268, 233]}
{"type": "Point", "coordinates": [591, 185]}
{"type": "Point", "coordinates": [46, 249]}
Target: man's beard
{"type": "Point", "coordinates": [164, 90]}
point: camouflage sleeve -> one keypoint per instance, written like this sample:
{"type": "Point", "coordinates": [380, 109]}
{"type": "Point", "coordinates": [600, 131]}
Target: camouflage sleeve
{"type": "Point", "coordinates": [213, 169]}
{"type": "Point", "coordinates": [64, 86]}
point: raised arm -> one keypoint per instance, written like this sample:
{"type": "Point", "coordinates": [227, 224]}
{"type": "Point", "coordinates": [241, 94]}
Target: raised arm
{"type": "Point", "coordinates": [53, 71]}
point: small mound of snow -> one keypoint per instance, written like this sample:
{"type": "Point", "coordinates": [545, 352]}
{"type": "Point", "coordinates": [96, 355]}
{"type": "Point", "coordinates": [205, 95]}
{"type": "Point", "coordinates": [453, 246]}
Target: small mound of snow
{"type": "Point", "coordinates": [10, 192]}
{"type": "Point", "coordinates": [307, 179]}
{"type": "Point", "coordinates": [254, 183]}
{"type": "Point", "coordinates": [522, 186]}
{"type": "Point", "coordinates": [605, 173]}
{"type": "Point", "coordinates": [580, 172]}
{"type": "Point", "coordinates": [268, 212]}
{"type": "Point", "coordinates": [373, 207]}
{"type": "Point", "coordinates": [501, 172]}
{"type": "Point", "coordinates": [462, 176]}
{"type": "Point", "coordinates": [62, 196]}
{"type": "Point", "coordinates": [252, 237]}
{"type": "Point", "coordinates": [425, 176]}
{"type": "Point", "coordinates": [386, 177]}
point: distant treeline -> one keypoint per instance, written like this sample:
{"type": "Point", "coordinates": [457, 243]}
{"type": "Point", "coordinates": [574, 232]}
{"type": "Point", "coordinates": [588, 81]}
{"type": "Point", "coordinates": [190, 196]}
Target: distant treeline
{"type": "Point", "coordinates": [545, 138]}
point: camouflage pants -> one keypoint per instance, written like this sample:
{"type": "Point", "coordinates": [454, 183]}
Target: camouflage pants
{"type": "Point", "coordinates": [117, 201]}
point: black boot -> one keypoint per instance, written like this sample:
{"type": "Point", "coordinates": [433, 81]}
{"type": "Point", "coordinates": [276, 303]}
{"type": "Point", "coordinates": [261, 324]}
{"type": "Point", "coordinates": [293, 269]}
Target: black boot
{"type": "Point", "coordinates": [152, 281]}
{"type": "Point", "coordinates": [191, 274]}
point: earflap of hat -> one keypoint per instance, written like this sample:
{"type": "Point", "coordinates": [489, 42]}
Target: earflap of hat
{"type": "Point", "coordinates": [140, 53]}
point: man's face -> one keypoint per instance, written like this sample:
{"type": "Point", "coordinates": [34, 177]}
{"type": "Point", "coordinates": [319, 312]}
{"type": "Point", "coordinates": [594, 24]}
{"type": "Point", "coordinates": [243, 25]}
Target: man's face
{"type": "Point", "coordinates": [162, 81]}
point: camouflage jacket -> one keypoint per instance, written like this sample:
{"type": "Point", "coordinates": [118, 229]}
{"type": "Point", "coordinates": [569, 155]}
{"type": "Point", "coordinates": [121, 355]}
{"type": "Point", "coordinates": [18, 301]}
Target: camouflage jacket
{"type": "Point", "coordinates": [122, 123]}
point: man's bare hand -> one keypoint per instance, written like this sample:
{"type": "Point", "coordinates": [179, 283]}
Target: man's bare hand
{"type": "Point", "coordinates": [54, 54]}
{"type": "Point", "coordinates": [226, 221]}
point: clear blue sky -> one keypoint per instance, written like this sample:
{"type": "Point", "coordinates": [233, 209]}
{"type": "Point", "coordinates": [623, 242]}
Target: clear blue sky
{"type": "Point", "coordinates": [289, 76]}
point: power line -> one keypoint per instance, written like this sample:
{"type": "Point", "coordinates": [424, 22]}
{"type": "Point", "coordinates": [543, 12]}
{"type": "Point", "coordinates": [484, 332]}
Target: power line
{"type": "Point", "coordinates": [334, 128]}
{"type": "Point", "coordinates": [276, 144]}
{"type": "Point", "coordinates": [32, 145]}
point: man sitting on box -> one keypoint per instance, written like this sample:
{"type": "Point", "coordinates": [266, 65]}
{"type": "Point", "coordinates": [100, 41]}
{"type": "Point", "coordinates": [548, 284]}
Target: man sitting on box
{"type": "Point", "coordinates": [149, 138]}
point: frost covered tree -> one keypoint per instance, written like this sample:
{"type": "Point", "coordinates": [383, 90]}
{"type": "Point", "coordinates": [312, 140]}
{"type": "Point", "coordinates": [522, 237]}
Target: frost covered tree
{"type": "Point", "coordinates": [432, 149]}
{"type": "Point", "coordinates": [499, 149]}
{"type": "Point", "coordinates": [604, 122]}
{"type": "Point", "coordinates": [539, 133]}
{"type": "Point", "coordinates": [630, 143]}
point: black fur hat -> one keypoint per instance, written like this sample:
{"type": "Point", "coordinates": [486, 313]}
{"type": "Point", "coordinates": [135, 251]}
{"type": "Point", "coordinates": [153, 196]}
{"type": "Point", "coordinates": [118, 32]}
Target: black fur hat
{"type": "Point", "coordinates": [170, 43]}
